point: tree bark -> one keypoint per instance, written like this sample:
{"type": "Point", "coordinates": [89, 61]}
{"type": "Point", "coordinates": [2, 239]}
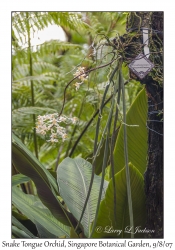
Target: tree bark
{"type": "Point", "coordinates": [153, 83]}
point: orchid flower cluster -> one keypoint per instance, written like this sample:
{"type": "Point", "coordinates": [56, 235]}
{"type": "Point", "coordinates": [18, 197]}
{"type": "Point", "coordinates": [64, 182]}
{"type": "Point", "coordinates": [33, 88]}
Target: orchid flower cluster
{"type": "Point", "coordinates": [50, 124]}
{"type": "Point", "coordinates": [83, 77]}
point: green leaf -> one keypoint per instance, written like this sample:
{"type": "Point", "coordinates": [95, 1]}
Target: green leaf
{"type": "Point", "coordinates": [18, 233]}
{"type": "Point", "coordinates": [28, 165]}
{"type": "Point", "coordinates": [19, 225]}
{"type": "Point", "coordinates": [27, 223]}
{"type": "Point", "coordinates": [38, 78]}
{"type": "Point", "coordinates": [18, 179]}
{"type": "Point", "coordinates": [137, 136]}
{"type": "Point", "coordinates": [73, 21]}
{"type": "Point", "coordinates": [43, 232]}
{"type": "Point", "coordinates": [40, 215]}
{"type": "Point", "coordinates": [73, 235]}
{"type": "Point", "coordinates": [107, 173]}
{"type": "Point", "coordinates": [73, 177]}
{"type": "Point", "coordinates": [105, 218]}
{"type": "Point", "coordinates": [33, 110]}
{"type": "Point", "coordinates": [55, 45]}
{"type": "Point", "coordinates": [33, 160]}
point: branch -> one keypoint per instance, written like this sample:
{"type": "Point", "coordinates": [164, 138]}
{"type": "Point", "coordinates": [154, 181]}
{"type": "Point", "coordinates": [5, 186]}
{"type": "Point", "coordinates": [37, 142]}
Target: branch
{"type": "Point", "coordinates": [88, 124]}
{"type": "Point", "coordinates": [86, 72]}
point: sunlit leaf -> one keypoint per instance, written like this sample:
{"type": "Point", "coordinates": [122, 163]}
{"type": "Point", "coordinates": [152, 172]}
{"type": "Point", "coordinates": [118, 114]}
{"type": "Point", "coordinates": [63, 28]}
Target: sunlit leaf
{"type": "Point", "coordinates": [73, 177]}
{"type": "Point", "coordinates": [19, 225]}
{"type": "Point", "coordinates": [28, 165]}
{"type": "Point", "coordinates": [106, 226]}
{"type": "Point", "coordinates": [137, 136]}
{"type": "Point", "coordinates": [18, 179]}
{"type": "Point", "coordinates": [26, 204]}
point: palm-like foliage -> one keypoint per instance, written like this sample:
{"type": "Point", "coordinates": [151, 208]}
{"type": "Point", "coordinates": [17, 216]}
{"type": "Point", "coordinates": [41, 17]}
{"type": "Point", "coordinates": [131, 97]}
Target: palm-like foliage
{"type": "Point", "coordinates": [46, 65]}
{"type": "Point", "coordinates": [53, 65]}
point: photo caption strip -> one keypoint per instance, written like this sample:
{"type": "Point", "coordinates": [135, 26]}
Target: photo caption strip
{"type": "Point", "coordinates": [88, 244]}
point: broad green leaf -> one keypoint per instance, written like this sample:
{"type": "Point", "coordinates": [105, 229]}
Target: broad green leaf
{"type": "Point", "coordinates": [137, 136]}
{"type": "Point", "coordinates": [34, 161]}
{"type": "Point", "coordinates": [18, 233]}
{"type": "Point", "coordinates": [19, 225]}
{"type": "Point", "coordinates": [27, 164]}
{"type": "Point", "coordinates": [43, 232]}
{"type": "Point", "coordinates": [105, 222]}
{"type": "Point", "coordinates": [73, 177]}
{"type": "Point", "coordinates": [18, 179]}
{"type": "Point", "coordinates": [27, 223]}
{"type": "Point", "coordinates": [27, 205]}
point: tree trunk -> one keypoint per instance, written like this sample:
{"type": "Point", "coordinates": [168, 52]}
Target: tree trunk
{"type": "Point", "coordinates": [153, 82]}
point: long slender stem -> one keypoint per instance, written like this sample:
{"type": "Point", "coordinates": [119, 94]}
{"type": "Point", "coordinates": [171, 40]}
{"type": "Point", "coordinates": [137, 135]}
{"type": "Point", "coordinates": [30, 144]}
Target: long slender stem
{"type": "Point", "coordinates": [74, 130]}
{"type": "Point", "coordinates": [99, 120]}
{"type": "Point", "coordinates": [99, 146]}
{"type": "Point", "coordinates": [86, 72]}
{"type": "Point", "coordinates": [58, 156]}
{"type": "Point", "coordinates": [31, 84]}
{"type": "Point", "coordinates": [126, 159]}
{"type": "Point", "coordinates": [105, 159]}
{"type": "Point", "coordinates": [112, 149]}
{"type": "Point", "coordinates": [86, 127]}
{"type": "Point", "coordinates": [70, 141]}
{"type": "Point", "coordinates": [88, 124]}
